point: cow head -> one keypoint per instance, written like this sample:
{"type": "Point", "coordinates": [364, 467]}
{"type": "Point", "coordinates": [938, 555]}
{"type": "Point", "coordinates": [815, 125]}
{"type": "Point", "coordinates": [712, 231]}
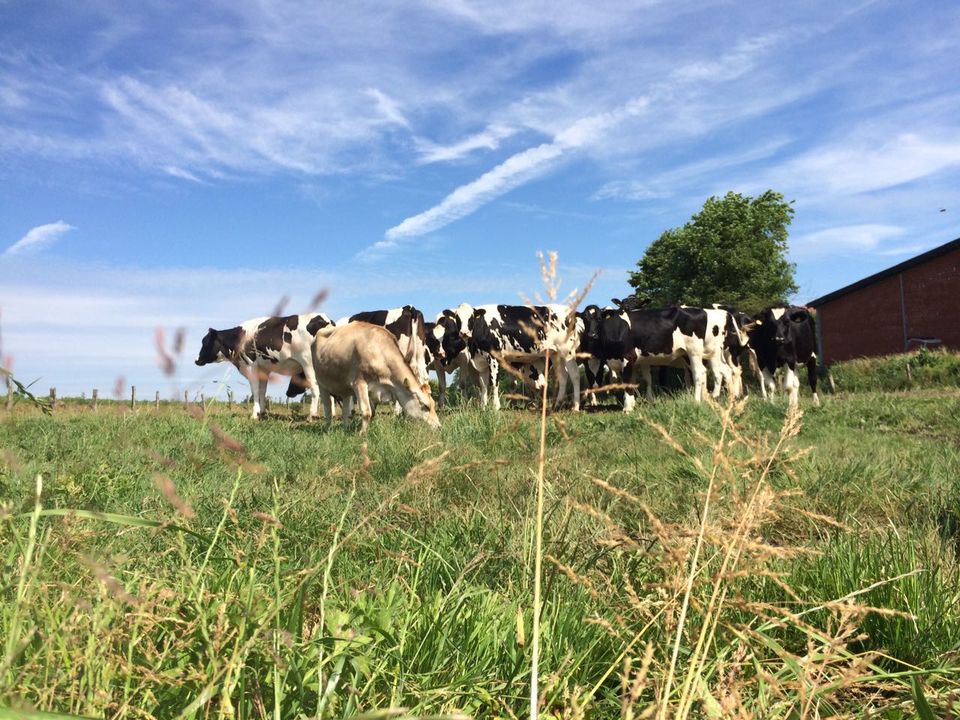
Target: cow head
{"type": "Point", "coordinates": [419, 405]}
{"type": "Point", "coordinates": [478, 332]}
{"type": "Point", "coordinates": [211, 349]}
{"type": "Point", "coordinates": [592, 317]}
{"type": "Point", "coordinates": [630, 302]}
{"type": "Point", "coordinates": [448, 333]}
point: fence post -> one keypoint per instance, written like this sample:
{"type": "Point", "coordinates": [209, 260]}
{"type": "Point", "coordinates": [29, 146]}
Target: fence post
{"type": "Point", "coordinates": [133, 396]}
{"type": "Point", "coordinates": [909, 374]}
{"type": "Point", "coordinates": [8, 403]}
{"type": "Point", "coordinates": [83, 397]}
{"type": "Point", "coordinates": [156, 400]}
{"type": "Point", "coordinates": [185, 398]}
{"type": "Point", "coordinates": [94, 398]}
{"type": "Point", "coordinates": [203, 400]}
{"type": "Point", "coordinates": [53, 398]}
{"type": "Point", "coordinates": [229, 398]}
{"type": "Point", "coordinates": [833, 385]}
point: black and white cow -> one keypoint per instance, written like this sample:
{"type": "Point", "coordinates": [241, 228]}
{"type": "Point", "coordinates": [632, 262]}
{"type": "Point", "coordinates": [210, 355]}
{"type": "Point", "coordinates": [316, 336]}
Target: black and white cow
{"type": "Point", "coordinates": [517, 334]}
{"type": "Point", "coordinates": [785, 337]}
{"type": "Point", "coordinates": [267, 345]}
{"type": "Point", "coordinates": [636, 340]}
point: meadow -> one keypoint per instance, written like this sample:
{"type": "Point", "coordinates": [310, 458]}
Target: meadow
{"type": "Point", "coordinates": [697, 561]}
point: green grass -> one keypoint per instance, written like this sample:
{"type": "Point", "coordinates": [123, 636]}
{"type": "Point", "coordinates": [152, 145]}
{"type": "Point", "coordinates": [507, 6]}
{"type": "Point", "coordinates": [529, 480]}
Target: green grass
{"type": "Point", "coordinates": [313, 581]}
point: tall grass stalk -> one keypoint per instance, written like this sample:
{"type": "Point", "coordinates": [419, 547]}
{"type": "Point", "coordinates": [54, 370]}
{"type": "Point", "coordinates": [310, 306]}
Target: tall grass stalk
{"type": "Point", "coordinates": [538, 552]}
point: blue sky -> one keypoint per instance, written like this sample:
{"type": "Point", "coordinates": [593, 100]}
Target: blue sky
{"type": "Point", "coordinates": [168, 165]}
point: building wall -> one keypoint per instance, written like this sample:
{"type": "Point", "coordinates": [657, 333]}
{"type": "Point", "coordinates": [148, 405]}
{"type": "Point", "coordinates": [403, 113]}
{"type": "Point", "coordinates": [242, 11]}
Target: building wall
{"type": "Point", "coordinates": [869, 321]}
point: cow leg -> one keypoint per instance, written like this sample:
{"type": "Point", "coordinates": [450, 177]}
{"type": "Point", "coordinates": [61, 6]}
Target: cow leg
{"type": "Point", "coordinates": [253, 377]}
{"type": "Point", "coordinates": [767, 381]}
{"type": "Point", "coordinates": [593, 370]}
{"type": "Point", "coordinates": [263, 392]}
{"type": "Point", "coordinates": [327, 407]}
{"type": "Point", "coordinates": [699, 374]}
{"type": "Point", "coordinates": [483, 376]}
{"type": "Point", "coordinates": [363, 403]}
{"type": "Point", "coordinates": [812, 378]}
{"type": "Point", "coordinates": [311, 378]}
{"type": "Point", "coordinates": [441, 387]}
{"type": "Point", "coordinates": [629, 375]}
{"type": "Point", "coordinates": [571, 371]}
{"type": "Point", "coordinates": [346, 410]}
{"type": "Point", "coordinates": [721, 374]}
{"type": "Point", "coordinates": [495, 382]}
{"type": "Point", "coordinates": [792, 385]}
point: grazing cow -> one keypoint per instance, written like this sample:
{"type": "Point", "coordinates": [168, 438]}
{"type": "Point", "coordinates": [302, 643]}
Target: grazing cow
{"type": "Point", "coordinates": [405, 324]}
{"type": "Point", "coordinates": [783, 338]}
{"type": "Point", "coordinates": [521, 334]}
{"type": "Point", "coordinates": [364, 361]}
{"type": "Point", "coordinates": [267, 345]}
{"type": "Point", "coordinates": [639, 339]}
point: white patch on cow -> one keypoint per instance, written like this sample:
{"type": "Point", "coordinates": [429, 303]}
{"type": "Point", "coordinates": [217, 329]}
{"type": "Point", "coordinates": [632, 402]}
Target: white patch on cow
{"type": "Point", "coordinates": [778, 312]}
{"type": "Point", "coordinates": [393, 315]}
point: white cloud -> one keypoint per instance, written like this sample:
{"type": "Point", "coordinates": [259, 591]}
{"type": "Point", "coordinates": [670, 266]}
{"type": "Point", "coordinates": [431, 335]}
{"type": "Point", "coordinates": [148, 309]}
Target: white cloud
{"type": "Point", "coordinates": [844, 240]}
{"type": "Point", "coordinates": [859, 164]}
{"type": "Point", "coordinates": [181, 173]}
{"type": "Point", "coordinates": [511, 173]}
{"type": "Point", "coordinates": [489, 139]}
{"type": "Point", "coordinates": [39, 237]}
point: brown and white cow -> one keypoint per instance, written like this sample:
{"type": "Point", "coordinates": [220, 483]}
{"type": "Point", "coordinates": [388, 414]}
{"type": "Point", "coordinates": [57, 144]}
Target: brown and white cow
{"type": "Point", "coordinates": [405, 324]}
{"type": "Point", "coordinates": [267, 345]}
{"type": "Point", "coordinates": [362, 360]}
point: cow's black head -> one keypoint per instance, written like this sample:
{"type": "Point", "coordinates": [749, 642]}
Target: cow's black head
{"type": "Point", "coordinates": [210, 351]}
{"type": "Point", "coordinates": [785, 327]}
{"type": "Point", "coordinates": [481, 339]}
{"type": "Point", "coordinates": [592, 317]}
{"type": "Point", "coordinates": [450, 334]}
{"type": "Point", "coordinates": [630, 302]}
{"type": "Point", "coordinates": [218, 345]}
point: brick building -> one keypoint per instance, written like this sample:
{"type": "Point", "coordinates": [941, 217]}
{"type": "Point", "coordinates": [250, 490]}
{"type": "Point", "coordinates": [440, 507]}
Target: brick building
{"type": "Point", "coordinates": [910, 305]}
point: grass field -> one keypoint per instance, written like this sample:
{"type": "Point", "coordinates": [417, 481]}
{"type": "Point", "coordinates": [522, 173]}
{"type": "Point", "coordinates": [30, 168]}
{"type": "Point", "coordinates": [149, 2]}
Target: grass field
{"type": "Point", "coordinates": [698, 562]}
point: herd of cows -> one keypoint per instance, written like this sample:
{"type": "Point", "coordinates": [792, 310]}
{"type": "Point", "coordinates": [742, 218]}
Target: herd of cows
{"type": "Point", "coordinates": [385, 355]}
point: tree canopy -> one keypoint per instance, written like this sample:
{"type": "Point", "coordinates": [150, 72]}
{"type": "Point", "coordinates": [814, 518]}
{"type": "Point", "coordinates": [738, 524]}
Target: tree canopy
{"type": "Point", "coordinates": [733, 252]}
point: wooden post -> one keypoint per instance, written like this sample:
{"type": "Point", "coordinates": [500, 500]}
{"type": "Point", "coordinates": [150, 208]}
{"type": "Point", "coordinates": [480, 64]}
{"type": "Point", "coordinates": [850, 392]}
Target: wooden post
{"type": "Point", "coordinates": [133, 396]}
{"type": "Point", "coordinates": [185, 398]}
{"type": "Point", "coordinates": [94, 398]}
{"type": "Point", "coordinates": [203, 400]}
{"type": "Point", "coordinates": [53, 398]}
{"type": "Point", "coordinates": [229, 398]}
{"type": "Point", "coordinates": [8, 403]}
{"type": "Point", "coordinates": [156, 400]}
{"type": "Point", "coordinates": [833, 385]}
{"type": "Point", "coordinates": [83, 397]}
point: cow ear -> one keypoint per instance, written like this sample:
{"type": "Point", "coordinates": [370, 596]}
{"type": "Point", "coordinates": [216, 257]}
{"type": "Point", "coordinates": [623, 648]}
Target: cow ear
{"type": "Point", "coordinates": [480, 312]}
{"type": "Point", "coordinates": [407, 384]}
{"type": "Point", "coordinates": [799, 316]}
{"type": "Point", "coordinates": [616, 301]}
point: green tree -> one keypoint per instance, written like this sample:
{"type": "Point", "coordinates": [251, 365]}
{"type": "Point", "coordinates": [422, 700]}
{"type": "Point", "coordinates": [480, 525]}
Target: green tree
{"type": "Point", "coordinates": [733, 252]}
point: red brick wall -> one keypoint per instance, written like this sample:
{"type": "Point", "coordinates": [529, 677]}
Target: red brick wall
{"type": "Point", "coordinates": [869, 322]}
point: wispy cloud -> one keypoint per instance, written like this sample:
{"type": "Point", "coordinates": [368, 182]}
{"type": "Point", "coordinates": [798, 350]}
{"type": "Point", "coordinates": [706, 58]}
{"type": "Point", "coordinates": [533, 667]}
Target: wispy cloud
{"type": "Point", "coordinates": [489, 139]}
{"type": "Point", "coordinates": [582, 133]}
{"type": "Point", "coordinates": [857, 165]}
{"type": "Point", "coordinates": [38, 238]}
{"type": "Point", "coordinates": [843, 240]}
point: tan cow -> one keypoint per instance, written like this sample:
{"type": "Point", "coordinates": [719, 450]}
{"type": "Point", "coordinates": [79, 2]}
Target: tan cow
{"type": "Point", "coordinates": [363, 360]}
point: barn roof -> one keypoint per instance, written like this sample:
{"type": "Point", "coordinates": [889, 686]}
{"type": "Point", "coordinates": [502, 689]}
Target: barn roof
{"type": "Point", "coordinates": [876, 277]}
